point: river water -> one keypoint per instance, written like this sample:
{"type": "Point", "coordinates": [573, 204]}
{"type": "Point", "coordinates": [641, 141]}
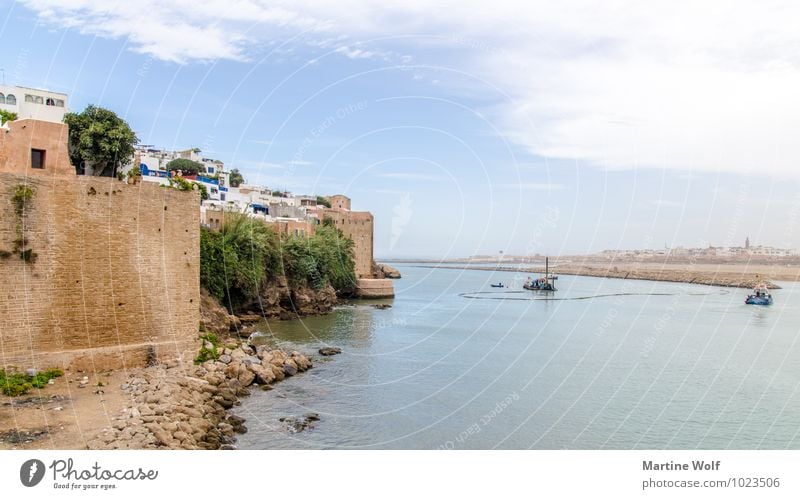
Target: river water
{"type": "Point", "coordinates": [606, 364]}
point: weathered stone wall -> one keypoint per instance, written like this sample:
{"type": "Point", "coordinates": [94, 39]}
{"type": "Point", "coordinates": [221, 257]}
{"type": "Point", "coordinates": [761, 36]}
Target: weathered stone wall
{"type": "Point", "coordinates": [115, 281]}
{"type": "Point", "coordinates": [374, 288]}
{"type": "Point", "coordinates": [358, 226]}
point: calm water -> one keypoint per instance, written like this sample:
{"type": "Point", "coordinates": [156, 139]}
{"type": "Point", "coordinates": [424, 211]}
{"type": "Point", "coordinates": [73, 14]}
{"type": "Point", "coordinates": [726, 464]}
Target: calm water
{"type": "Point", "coordinates": [665, 366]}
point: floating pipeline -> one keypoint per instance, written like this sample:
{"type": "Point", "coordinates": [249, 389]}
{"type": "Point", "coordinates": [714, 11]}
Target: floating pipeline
{"type": "Point", "coordinates": [473, 295]}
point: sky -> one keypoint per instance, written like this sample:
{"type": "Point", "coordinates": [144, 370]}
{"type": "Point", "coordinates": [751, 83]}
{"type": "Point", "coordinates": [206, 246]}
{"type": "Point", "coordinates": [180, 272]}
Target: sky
{"type": "Point", "coordinates": [464, 127]}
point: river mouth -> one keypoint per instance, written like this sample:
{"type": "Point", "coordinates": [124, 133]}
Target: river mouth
{"type": "Point", "coordinates": [633, 364]}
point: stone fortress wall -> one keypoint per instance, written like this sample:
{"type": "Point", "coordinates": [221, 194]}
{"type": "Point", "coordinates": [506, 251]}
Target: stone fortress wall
{"type": "Point", "coordinates": [112, 277]}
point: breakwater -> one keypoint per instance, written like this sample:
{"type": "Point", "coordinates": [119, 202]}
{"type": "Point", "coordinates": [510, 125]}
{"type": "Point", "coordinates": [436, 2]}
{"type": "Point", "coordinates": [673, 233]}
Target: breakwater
{"type": "Point", "coordinates": [733, 277]}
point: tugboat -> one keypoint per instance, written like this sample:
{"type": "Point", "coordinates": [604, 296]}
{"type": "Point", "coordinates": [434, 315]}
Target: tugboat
{"type": "Point", "coordinates": [760, 296]}
{"type": "Point", "coordinates": [544, 283]}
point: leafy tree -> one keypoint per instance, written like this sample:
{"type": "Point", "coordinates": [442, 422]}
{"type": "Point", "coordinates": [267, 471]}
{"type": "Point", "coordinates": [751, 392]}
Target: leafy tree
{"type": "Point", "coordinates": [6, 116]}
{"type": "Point", "coordinates": [323, 201]}
{"type": "Point", "coordinates": [236, 178]}
{"type": "Point", "coordinates": [100, 139]}
{"type": "Point", "coordinates": [187, 166]}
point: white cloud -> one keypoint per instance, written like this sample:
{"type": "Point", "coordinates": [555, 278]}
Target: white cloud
{"type": "Point", "coordinates": [702, 86]}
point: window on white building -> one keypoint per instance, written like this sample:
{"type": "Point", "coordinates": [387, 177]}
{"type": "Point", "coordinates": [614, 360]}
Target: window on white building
{"type": "Point", "coordinates": [59, 103]}
{"type": "Point", "coordinates": [50, 102]}
{"type": "Point", "coordinates": [2, 98]}
{"type": "Point", "coordinates": [11, 100]}
{"type": "Point", "coordinates": [38, 99]}
{"type": "Point", "coordinates": [28, 98]}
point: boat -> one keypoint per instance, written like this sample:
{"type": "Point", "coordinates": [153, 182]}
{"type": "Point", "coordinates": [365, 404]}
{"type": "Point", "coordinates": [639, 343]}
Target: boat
{"type": "Point", "coordinates": [760, 296]}
{"type": "Point", "coordinates": [543, 283]}
{"type": "Point", "coordinates": [498, 285]}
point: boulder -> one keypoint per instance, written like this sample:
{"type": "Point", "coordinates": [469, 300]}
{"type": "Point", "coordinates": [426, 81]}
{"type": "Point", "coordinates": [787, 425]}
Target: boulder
{"type": "Point", "coordinates": [383, 271]}
{"type": "Point", "coordinates": [246, 377]}
{"type": "Point", "coordinates": [263, 375]}
{"type": "Point", "coordinates": [289, 368]}
{"type": "Point", "coordinates": [327, 351]}
{"type": "Point", "coordinates": [214, 317]}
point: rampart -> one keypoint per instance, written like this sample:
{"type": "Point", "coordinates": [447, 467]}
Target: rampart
{"type": "Point", "coordinates": [95, 273]}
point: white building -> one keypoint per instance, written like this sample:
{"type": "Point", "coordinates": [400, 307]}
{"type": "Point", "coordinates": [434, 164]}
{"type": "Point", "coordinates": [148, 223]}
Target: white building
{"type": "Point", "coordinates": [153, 162]}
{"type": "Point", "coordinates": [33, 103]}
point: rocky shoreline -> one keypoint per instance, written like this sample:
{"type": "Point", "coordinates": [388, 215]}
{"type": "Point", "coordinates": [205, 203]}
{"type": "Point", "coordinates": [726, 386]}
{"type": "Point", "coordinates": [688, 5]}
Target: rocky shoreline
{"type": "Point", "coordinates": [276, 302]}
{"type": "Point", "coordinates": [175, 407]}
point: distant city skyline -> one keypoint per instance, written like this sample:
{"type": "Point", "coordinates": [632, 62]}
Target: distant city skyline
{"type": "Point", "coordinates": [522, 127]}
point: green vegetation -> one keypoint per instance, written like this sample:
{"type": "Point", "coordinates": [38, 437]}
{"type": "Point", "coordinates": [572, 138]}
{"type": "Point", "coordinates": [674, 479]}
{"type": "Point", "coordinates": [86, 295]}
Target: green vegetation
{"type": "Point", "coordinates": [100, 139]}
{"type": "Point", "coordinates": [324, 201]}
{"type": "Point", "coordinates": [6, 116]}
{"type": "Point", "coordinates": [322, 259]}
{"type": "Point", "coordinates": [205, 352]}
{"type": "Point", "coordinates": [134, 172]}
{"type": "Point", "coordinates": [21, 198]}
{"type": "Point", "coordinates": [235, 177]}
{"type": "Point", "coordinates": [15, 384]}
{"type": "Point", "coordinates": [186, 166]}
{"type": "Point", "coordinates": [183, 184]}
{"type": "Point", "coordinates": [237, 261]}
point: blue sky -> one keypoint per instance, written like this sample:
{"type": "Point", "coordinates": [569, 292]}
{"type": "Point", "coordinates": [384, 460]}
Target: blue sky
{"type": "Point", "coordinates": [465, 128]}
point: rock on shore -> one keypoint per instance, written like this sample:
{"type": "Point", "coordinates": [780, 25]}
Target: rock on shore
{"type": "Point", "coordinates": [383, 271]}
{"type": "Point", "coordinates": [214, 317]}
{"type": "Point", "coordinates": [279, 300]}
{"type": "Point", "coordinates": [179, 407]}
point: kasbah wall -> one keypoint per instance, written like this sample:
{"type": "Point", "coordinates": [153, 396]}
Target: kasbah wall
{"type": "Point", "coordinates": [115, 282]}
{"type": "Point", "coordinates": [359, 226]}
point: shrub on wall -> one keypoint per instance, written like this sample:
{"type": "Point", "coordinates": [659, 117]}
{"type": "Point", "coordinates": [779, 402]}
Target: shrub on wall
{"type": "Point", "coordinates": [187, 185]}
{"type": "Point", "coordinates": [21, 197]}
{"type": "Point", "coordinates": [6, 116]}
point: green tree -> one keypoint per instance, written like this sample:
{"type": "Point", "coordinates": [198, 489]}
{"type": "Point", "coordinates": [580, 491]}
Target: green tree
{"type": "Point", "coordinates": [236, 178]}
{"type": "Point", "coordinates": [100, 139]}
{"type": "Point", "coordinates": [187, 166]}
{"type": "Point", "coordinates": [6, 116]}
{"type": "Point", "coordinates": [324, 201]}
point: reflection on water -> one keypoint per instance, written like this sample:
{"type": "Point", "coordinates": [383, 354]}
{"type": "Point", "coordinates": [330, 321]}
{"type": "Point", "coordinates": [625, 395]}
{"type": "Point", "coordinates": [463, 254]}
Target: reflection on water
{"type": "Point", "coordinates": [648, 365]}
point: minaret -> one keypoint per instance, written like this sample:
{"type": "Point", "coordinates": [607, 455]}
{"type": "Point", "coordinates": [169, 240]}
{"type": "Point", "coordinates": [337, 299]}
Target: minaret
{"type": "Point", "coordinates": [747, 242]}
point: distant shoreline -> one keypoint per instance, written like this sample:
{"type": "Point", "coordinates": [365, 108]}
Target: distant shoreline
{"type": "Point", "coordinates": [722, 275]}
